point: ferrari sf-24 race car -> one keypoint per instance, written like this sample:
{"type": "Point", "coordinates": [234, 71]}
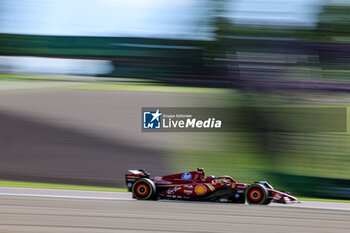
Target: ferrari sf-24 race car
{"type": "Point", "coordinates": [195, 186]}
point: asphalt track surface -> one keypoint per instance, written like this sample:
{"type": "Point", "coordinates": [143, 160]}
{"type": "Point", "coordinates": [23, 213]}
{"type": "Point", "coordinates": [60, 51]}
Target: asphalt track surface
{"type": "Point", "coordinates": [45, 210]}
{"type": "Point", "coordinates": [85, 137]}
{"type": "Point", "coordinates": [78, 137]}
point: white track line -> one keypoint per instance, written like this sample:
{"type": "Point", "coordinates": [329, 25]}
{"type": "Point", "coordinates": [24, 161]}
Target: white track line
{"type": "Point", "coordinates": [61, 193]}
{"type": "Point", "coordinates": [307, 205]}
{"type": "Point", "coordinates": [66, 196]}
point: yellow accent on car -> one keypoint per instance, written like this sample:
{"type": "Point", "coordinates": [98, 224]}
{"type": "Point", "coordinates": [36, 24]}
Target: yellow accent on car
{"type": "Point", "coordinates": [211, 187]}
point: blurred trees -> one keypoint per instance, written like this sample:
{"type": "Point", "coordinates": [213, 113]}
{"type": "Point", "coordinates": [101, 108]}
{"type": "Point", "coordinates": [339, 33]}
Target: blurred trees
{"type": "Point", "coordinates": [333, 24]}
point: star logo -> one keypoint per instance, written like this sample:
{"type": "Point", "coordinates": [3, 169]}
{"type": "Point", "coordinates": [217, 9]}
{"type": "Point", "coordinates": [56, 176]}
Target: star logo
{"type": "Point", "coordinates": [156, 115]}
{"type": "Point", "coordinates": [152, 120]}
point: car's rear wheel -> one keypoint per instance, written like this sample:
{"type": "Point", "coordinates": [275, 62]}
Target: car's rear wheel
{"type": "Point", "coordinates": [256, 194]}
{"type": "Point", "coordinates": [143, 189]}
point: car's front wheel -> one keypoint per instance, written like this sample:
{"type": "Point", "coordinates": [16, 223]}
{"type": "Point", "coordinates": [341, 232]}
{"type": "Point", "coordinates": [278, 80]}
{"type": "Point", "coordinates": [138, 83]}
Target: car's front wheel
{"type": "Point", "coordinates": [256, 194]}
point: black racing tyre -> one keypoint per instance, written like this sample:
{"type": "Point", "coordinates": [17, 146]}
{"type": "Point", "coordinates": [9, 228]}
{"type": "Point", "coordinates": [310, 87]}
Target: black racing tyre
{"type": "Point", "coordinates": [143, 189]}
{"type": "Point", "coordinates": [257, 194]}
{"type": "Point", "coordinates": [268, 201]}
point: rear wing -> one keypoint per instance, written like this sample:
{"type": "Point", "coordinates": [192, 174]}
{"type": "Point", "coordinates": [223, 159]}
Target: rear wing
{"type": "Point", "coordinates": [138, 171]}
{"type": "Point", "coordinates": [133, 175]}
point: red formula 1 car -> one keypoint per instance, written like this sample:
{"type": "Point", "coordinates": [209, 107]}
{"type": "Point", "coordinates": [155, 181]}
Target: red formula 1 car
{"type": "Point", "coordinates": [195, 186]}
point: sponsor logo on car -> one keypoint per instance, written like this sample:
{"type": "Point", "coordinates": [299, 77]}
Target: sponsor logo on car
{"type": "Point", "coordinates": [173, 190]}
{"type": "Point", "coordinates": [163, 182]}
{"type": "Point", "coordinates": [188, 192]}
{"type": "Point", "coordinates": [200, 189]}
{"type": "Point", "coordinates": [186, 176]}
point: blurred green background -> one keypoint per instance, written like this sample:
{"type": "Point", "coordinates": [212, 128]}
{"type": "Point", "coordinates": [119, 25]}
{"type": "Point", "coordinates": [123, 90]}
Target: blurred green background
{"type": "Point", "coordinates": [241, 64]}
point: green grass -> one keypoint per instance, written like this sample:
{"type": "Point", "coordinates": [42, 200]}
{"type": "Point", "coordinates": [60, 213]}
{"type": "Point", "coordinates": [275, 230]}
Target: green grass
{"type": "Point", "coordinates": [22, 76]}
{"type": "Point", "coordinates": [123, 84]}
{"type": "Point", "coordinates": [15, 77]}
{"type": "Point", "coordinates": [145, 87]}
{"type": "Point", "coordinates": [323, 199]}
{"type": "Point", "coordinates": [25, 184]}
